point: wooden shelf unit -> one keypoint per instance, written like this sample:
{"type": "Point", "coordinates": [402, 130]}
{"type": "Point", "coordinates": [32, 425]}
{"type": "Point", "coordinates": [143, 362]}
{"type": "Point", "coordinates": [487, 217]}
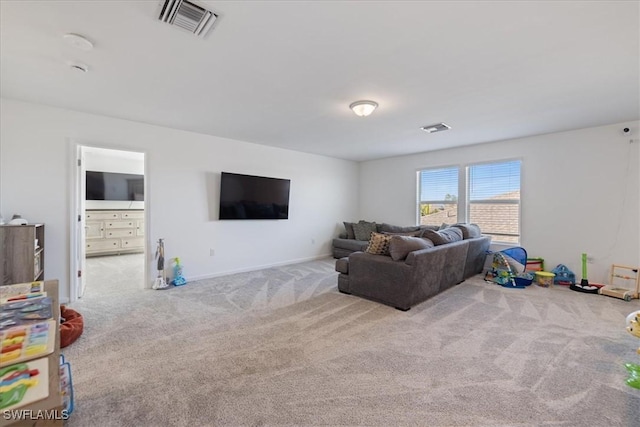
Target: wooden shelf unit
{"type": "Point", "coordinates": [54, 401]}
{"type": "Point", "coordinates": [23, 252]}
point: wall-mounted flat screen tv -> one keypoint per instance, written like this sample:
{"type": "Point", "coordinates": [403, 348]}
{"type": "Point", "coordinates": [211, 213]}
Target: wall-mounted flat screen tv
{"type": "Point", "coordinates": [114, 186]}
{"type": "Point", "coordinates": [253, 197]}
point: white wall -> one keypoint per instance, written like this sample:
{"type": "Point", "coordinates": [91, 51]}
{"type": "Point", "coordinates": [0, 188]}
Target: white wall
{"type": "Point", "coordinates": [37, 146]}
{"type": "Point", "coordinates": [580, 193]}
{"type": "Point", "coordinates": [105, 160]}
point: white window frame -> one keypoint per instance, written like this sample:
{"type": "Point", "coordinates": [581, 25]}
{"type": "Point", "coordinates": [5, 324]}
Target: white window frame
{"type": "Point", "coordinates": [419, 189]}
{"type": "Point", "coordinates": [468, 202]}
{"type": "Point", "coordinates": [464, 204]}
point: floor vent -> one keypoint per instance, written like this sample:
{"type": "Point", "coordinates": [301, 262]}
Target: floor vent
{"type": "Point", "coordinates": [188, 16]}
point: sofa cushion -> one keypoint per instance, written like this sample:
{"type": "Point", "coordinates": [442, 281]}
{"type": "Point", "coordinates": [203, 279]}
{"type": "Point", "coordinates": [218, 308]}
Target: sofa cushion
{"type": "Point", "coordinates": [379, 244]}
{"type": "Point", "coordinates": [469, 231]}
{"type": "Point", "coordinates": [363, 229]}
{"type": "Point", "coordinates": [350, 244]}
{"type": "Point", "coordinates": [348, 226]}
{"type": "Point", "coordinates": [401, 246]}
{"type": "Point", "coordinates": [384, 227]}
{"type": "Point", "coordinates": [442, 237]}
{"type": "Point", "coordinates": [342, 265]}
{"type": "Point", "coordinates": [416, 233]}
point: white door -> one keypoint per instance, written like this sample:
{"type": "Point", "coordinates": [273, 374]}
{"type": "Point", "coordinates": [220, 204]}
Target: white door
{"type": "Point", "coordinates": [81, 225]}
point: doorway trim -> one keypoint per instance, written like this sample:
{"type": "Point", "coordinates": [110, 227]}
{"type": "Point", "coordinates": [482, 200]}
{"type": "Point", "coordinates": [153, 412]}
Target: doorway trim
{"type": "Point", "coordinates": [77, 215]}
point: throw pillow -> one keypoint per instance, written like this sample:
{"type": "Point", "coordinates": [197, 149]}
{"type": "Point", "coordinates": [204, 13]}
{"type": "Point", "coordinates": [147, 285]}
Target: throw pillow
{"type": "Point", "coordinates": [469, 231]}
{"type": "Point", "coordinates": [362, 230]}
{"type": "Point", "coordinates": [379, 244]}
{"type": "Point", "coordinates": [401, 246]}
{"type": "Point", "coordinates": [442, 237]}
{"type": "Point", "coordinates": [443, 226]}
{"type": "Point", "coordinates": [348, 226]}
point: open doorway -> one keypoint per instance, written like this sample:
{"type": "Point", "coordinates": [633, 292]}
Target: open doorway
{"type": "Point", "coordinates": [111, 220]}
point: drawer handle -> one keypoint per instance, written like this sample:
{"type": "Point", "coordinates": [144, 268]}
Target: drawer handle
{"type": "Point", "coordinates": [114, 243]}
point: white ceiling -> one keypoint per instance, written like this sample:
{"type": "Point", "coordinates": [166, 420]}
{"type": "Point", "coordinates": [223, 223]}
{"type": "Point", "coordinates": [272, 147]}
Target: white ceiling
{"type": "Point", "coordinates": [283, 73]}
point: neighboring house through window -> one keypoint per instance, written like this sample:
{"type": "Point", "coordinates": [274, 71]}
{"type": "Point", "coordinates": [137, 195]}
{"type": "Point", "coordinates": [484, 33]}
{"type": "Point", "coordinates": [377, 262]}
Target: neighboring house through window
{"type": "Point", "coordinates": [487, 194]}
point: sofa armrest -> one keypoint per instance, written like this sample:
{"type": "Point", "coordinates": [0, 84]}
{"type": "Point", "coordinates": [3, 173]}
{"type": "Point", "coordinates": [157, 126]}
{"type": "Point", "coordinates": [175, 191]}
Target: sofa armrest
{"type": "Point", "coordinates": [380, 278]}
{"type": "Point", "coordinates": [442, 265]}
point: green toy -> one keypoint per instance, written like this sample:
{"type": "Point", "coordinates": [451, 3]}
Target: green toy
{"type": "Point", "coordinates": [13, 387]}
{"type": "Point", "coordinates": [633, 327]}
{"type": "Point", "coordinates": [584, 281]}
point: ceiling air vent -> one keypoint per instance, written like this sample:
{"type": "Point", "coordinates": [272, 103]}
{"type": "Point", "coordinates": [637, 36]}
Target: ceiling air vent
{"type": "Point", "coordinates": [187, 15]}
{"type": "Point", "coordinates": [439, 127]}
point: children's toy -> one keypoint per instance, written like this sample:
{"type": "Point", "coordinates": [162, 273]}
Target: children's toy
{"type": "Point", "coordinates": [24, 383]}
{"type": "Point", "coordinates": [544, 278]}
{"type": "Point", "coordinates": [26, 342]}
{"type": "Point", "coordinates": [22, 311]}
{"type": "Point", "coordinates": [161, 280]}
{"type": "Point", "coordinates": [507, 268]}
{"type": "Point", "coordinates": [535, 264]}
{"type": "Point", "coordinates": [621, 273]}
{"type": "Point", "coordinates": [564, 276]}
{"type": "Point", "coordinates": [584, 285]}
{"type": "Point", "coordinates": [21, 291]}
{"type": "Point", "coordinates": [633, 327]}
{"type": "Point", "coordinates": [178, 278]}
{"type": "Point", "coordinates": [66, 385]}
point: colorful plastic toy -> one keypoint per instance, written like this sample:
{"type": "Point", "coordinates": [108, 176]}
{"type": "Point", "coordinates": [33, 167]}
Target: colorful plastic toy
{"type": "Point", "coordinates": [564, 276]}
{"type": "Point", "coordinates": [507, 269]}
{"type": "Point", "coordinates": [633, 327]}
{"type": "Point", "coordinates": [178, 278]}
{"type": "Point", "coordinates": [13, 387]}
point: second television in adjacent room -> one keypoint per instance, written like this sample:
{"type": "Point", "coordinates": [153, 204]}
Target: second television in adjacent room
{"type": "Point", "coordinates": [253, 197]}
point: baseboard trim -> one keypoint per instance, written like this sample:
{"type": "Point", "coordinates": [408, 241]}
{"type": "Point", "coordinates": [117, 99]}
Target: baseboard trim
{"type": "Point", "coordinates": [256, 268]}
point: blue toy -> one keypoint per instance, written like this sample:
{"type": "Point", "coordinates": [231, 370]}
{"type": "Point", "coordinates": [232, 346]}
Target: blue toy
{"type": "Point", "coordinates": [507, 269]}
{"type": "Point", "coordinates": [563, 276]}
{"type": "Point", "coordinates": [178, 278]}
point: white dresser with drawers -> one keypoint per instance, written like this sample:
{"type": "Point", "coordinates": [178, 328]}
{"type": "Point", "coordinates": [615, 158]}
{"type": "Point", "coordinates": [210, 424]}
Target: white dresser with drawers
{"type": "Point", "coordinates": [109, 232]}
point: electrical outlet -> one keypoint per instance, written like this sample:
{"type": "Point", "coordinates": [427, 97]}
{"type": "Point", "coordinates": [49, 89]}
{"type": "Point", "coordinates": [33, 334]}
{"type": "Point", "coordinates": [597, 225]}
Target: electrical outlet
{"type": "Point", "coordinates": [212, 252]}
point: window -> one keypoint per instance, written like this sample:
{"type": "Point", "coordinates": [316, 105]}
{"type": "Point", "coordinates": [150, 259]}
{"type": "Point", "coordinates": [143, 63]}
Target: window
{"type": "Point", "coordinates": [438, 191]}
{"type": "Point", "coordinates": [489, 196]}
{"type": "Point", "coordinates": [493, 199]}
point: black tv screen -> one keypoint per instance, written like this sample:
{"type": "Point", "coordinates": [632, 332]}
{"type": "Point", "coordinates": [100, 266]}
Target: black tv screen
{"type": "Point", "coordinates": [114, 186]}
{"type": "Point", "coordinates": [253, 197]}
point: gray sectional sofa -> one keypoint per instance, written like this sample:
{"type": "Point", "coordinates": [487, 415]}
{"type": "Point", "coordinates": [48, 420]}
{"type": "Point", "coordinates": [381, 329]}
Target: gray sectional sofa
{"type": "Point", "coordinates": [346, 244]}
{"type": "Point", "coordinates": [403, 283]}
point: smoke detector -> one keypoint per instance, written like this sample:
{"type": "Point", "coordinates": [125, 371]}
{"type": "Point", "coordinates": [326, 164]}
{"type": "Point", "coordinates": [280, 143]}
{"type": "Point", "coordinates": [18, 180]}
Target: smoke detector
{"type": "Point", "coordinates": [438, 127]}
{"type": "Point", "coordinates": [187, 15]}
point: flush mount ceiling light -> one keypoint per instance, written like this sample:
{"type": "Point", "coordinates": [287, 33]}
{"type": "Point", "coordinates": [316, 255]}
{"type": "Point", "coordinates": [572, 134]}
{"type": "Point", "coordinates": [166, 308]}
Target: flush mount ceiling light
{"type": "Point", "coordinates": [363, 108]}
{"type": "Point", "coordinates": [78, 41]}
{"type": "Point", "coordinates": [438, 127]}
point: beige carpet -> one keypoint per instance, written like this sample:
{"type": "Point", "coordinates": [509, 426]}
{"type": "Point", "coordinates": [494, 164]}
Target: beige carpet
{"type": "Point", "coordinates": [282, 347]}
